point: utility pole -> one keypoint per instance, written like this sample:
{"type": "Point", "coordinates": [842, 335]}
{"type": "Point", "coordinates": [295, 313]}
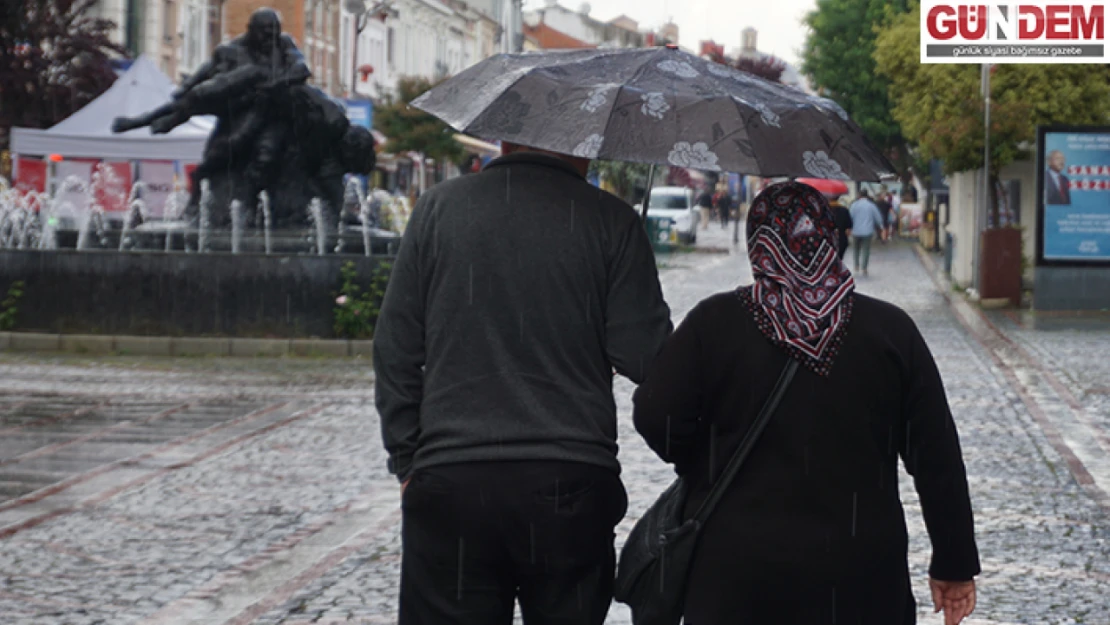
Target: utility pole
{"type": "Point", "coordinates": [982, 215]}
{"type": "Point", "coordinates": [362, 13]}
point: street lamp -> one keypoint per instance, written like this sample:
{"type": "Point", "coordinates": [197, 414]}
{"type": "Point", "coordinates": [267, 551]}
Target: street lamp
{"type": "Point", "coordinates": [363, 12]}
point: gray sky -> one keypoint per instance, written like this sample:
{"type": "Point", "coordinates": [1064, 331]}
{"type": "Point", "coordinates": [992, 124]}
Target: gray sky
{"type": "Point", "coordinates": [778, 21]}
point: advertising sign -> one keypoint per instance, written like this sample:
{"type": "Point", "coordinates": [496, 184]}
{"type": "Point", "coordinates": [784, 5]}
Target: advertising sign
{"type": "Point", "coordinates": [30, 175]}
{"type": "Point", "coordinates": [1032, 31]}
{"type": "Point", "coordinates": [112, 185]}
{"type": "Point", "coordinates": [74, 178]}
{"type": "Point", "coordinates": [158, 180]}
{"type": "Point", "coordinates": [360, 112]}
{"type": "Point", "coordinates": [1073, 194]}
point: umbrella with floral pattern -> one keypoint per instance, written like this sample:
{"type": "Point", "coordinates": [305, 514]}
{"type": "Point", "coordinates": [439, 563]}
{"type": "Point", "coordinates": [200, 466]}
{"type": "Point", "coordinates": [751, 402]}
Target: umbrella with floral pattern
{"type": "Point", "coordinates": [655, 105]}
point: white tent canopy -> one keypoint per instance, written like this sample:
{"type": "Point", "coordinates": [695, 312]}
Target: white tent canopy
{"type": "Point", "coordinates": [88, 134]}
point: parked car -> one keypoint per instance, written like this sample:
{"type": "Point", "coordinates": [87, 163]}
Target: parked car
{"type": "Point", "coordinates": [676, 204]}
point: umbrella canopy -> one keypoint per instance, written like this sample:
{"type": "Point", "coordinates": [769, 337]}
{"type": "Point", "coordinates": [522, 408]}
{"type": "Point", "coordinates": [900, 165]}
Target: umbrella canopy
{"type": "Point", "coordinates": [827, 187]}
{"type": "Point", "coordinates": [655, 105]}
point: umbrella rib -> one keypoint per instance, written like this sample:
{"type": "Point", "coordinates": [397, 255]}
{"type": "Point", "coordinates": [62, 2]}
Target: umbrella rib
{"type": "Point", "coordinates": [616, 99]}
{"type": "Point", "coordinates": [747, 133]}
{"type": "Point", "coordinates": [489, 106]}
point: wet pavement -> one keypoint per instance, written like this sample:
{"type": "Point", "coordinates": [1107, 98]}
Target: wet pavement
{"type": "Point", "coordinates": [236, 491]}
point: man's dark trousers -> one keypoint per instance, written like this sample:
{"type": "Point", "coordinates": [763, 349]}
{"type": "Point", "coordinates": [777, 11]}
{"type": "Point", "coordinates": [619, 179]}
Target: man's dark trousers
{"type": "Point", "coordinates": [478, 536]}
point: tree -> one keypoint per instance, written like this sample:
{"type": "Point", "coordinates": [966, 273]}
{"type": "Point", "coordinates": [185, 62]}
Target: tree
{"type": "Point", "coordinates": [54, 59]}
{"type": "Point", "coordinates": [412, 130]}
{"type": "Point", "coordinates": [940, 107]}
{"type": "Point", "coordinates": [838, 58]}
{"type": "Point", "coordinates": [622, 177]}
{"type": "Point", "coordinates": [766, 67]}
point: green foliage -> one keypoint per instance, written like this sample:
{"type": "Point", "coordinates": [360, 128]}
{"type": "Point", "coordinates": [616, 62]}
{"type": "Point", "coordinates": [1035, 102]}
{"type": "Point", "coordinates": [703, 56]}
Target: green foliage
{"type": "Point", "coordinates": [622, 177]}
{"type": "Point", "coordinates": [941, 108]}
{"type": "Point", "coordinates": [9, 308]}
{"type": "Point", "coordinates": [356, 313]}
{"type": "Point", "coordinates": [55, 57]}
{"type": "Point", "coordinates": [412, 130]}
{"type": "Point", "coordinates": [838, 58]}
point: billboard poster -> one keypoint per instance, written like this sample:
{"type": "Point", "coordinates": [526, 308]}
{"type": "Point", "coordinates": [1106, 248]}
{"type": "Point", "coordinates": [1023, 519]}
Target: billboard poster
{"type": "Point", "coordinates": [31, 175]}
{"type": "Point", "coordinates": [112, 185]}
{"type": "Point", "coordinates": [1074, 202]}
{"type": "Point", "coordinates": [158, 182]}
{"type": "Point", "coordinates": [72, 194]}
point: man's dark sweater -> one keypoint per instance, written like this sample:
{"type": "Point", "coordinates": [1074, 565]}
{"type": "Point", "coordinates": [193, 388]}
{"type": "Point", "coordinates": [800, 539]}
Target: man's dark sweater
{"type": "Point", "coordinates": [515, 293]}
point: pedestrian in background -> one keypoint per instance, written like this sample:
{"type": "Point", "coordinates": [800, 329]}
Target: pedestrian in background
{"type": "Point", "coordinates": [723, 202]}
{"type": "Point", "coordinates": [705, 207]}
{"type": "Point", "coordinates": [867, 221]}
{"type": "Point", "coordinates": [515, 294]}
{"type": "Point", "coordinates": [895, 213]}
{"type": "Point", "coordinates": [882, 200]}
{"type": "Point", "coordinates": [811, 531]}
{"type": "Point", "coordinates": [842, 218]}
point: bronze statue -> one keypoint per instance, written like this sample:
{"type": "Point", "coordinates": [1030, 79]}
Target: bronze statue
{"type": "Point", "coordinates": [273, 132]}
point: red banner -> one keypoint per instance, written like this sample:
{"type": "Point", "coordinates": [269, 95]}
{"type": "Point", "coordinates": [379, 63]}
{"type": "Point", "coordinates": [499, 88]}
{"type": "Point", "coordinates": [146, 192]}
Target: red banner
{"type": "Point", "coordinates": [113, 186]}
{"type": "Point", "coordinates": [31, 175]}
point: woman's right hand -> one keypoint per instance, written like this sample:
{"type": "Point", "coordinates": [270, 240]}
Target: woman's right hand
{"type": "Point", "coordinates": [957, 599]}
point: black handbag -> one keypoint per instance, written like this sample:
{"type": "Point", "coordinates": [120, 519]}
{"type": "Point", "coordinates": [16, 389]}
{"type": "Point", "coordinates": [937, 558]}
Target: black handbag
{"type": "Point", "coordinates": [655, 561]}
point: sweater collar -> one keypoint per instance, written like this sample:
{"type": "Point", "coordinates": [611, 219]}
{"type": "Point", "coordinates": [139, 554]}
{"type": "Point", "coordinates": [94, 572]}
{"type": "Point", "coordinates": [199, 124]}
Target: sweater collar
{"type": "Point", "coordinates": [534, 158]}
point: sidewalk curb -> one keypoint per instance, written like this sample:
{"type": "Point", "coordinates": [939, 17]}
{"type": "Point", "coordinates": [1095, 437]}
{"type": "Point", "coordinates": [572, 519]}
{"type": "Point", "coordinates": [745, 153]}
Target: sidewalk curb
{"type": "Point", "coordinates": [983, 331]}
{"type": "Point", "coordinates": [174, 347]}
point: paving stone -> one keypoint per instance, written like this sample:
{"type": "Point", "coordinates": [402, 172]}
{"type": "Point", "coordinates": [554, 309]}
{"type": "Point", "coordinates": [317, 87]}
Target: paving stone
{"type": "Point", "coordinates": [1045, 543]}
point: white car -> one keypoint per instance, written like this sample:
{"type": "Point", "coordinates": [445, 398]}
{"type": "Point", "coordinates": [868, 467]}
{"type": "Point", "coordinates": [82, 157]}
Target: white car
{"type": "Point", "coordinates": [678, 205]}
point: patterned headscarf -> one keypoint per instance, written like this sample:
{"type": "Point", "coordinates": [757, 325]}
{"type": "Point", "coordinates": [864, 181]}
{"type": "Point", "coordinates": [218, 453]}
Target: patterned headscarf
{"type": "Point", "coordinates": [801, 298]}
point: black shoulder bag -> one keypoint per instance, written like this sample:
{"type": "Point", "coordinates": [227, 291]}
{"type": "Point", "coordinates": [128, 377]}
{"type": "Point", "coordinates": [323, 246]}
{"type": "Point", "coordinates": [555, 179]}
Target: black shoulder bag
{"type": "Point", "coordinates": [655, 560]}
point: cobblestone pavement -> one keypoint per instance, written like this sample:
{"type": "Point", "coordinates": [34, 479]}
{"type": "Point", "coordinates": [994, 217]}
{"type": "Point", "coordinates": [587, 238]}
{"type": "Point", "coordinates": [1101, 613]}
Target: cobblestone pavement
{"type": "Point", "coordinates": [254, 491]}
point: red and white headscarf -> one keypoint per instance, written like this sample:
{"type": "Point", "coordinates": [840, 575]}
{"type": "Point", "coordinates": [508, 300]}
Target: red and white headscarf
{"type": "Point", "coordinates": [801, 298]}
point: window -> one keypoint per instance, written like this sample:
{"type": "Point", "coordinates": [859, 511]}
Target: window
{"type": "Point", "coordinates": [169, 20]}
{"type": "Point", "coordinates": [320, 25]}
{"type": "Point", "coordinates": [389, 46]}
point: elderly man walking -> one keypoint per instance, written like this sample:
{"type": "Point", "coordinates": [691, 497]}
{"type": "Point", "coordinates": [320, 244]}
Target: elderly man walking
{"type": "Point", "coordinates": [516, 293]}
{"type": "Point", "coordinates": [867, 221]}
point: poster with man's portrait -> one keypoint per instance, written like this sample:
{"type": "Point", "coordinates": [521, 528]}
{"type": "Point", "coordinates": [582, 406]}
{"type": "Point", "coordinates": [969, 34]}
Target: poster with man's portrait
{"type": "Point", "coordinates": [1075, 181]}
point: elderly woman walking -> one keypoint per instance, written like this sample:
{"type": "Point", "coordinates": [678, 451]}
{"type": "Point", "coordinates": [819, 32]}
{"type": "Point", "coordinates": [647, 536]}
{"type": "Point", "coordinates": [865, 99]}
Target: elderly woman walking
{"type": "Point", "coordinates": [811, 531]}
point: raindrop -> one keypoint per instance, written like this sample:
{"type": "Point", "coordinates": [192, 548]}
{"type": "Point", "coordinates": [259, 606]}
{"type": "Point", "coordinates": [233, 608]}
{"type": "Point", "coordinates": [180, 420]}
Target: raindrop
{"type": "Point", "coordinates": [532, 541]}
{"type": "Point", "coordinates": [667, 439]}
{"type": "Point", "coordinates": [834, 605]}
{"type": "Point", "coordinates": [462, 552]}
{"type": "Point", "coordinates": [712, 450]}
{"type": "Point", "coordinates": [472, 283]}
{"type": "Point", "coordinates": [508, 186]}
{"type": "Point", "coordinates": [572, 215]}
{"type": "Point", "coordinates": [521, 327]}
{"type": "Point", "coordinates": [805, 459]}
{"type": "Point", "coordinates": [587, 308]}
{"type": "Point", "coordinates": [855, 507]}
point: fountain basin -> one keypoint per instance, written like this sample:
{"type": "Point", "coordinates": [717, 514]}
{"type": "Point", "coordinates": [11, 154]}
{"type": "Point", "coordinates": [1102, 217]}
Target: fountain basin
{"type": "Point", "coordinates": [280, 295]}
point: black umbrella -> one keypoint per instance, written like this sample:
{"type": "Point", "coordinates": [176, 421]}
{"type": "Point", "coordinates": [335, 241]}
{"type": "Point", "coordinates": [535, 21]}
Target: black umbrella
{"type": "Point", "coordinates": [655, 105]}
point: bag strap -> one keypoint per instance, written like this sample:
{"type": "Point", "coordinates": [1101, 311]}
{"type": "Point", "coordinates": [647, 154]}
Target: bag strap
{"type": "Point", "coordinates": [748, 442]}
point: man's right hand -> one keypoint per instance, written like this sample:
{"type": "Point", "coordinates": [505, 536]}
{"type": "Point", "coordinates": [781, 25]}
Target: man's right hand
{"type": "Point", "coordinates": [957, 599]}
{"type": "Point", "coordinates": [178, 93]}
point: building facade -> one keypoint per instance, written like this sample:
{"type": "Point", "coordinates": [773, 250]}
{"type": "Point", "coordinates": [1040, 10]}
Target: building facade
{"type": "Point", "coordinates": [621, 32]}
{"type": "Point", "coordinates": [417, 38]}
